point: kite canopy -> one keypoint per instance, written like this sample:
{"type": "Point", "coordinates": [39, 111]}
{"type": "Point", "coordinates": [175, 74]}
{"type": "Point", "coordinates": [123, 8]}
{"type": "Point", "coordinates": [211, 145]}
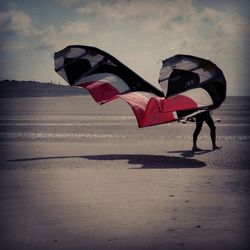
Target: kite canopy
{"type": "Point", "coordinates": [189, 84]}
{"type": "Point", "coordinates": [183, 72]}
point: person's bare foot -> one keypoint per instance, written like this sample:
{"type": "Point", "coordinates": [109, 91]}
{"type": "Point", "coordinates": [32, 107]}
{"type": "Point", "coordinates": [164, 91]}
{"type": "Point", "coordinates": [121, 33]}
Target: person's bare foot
{"type": "Point", "coordinates": [215, 147]}
{"type": "Point", "coordinates": [196, 149]}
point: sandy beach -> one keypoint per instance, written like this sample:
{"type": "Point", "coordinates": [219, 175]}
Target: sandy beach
{"type": "Point", "coordinates": [77, 175]}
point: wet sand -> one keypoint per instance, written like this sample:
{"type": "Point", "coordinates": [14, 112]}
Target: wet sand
{"type": "Point", "coordinates": [76, 175]}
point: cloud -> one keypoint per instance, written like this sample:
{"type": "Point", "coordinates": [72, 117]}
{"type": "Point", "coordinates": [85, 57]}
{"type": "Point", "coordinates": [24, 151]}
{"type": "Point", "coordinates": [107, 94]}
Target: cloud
{"type": "Point", "coordinates": [16, 27]}
{"type": "Point", "coordinates": [47, 39]}
{"type": "Point", "coordinates": [15, 21]}
{"type": "Point", "coordinates": [121, 10]}
{"type": "Point", "coordinates": [75, 28]}
{"type": "Point", "coordinates": [176, 21]}
{"type": "Point", "coordinates": [118, 10]}
{"type": "Point", "coordinates": [171, 25]}
{"type": "Point", "coordinates": [68, 3]}
{"type": "Point", "coordinates": [53, 38]}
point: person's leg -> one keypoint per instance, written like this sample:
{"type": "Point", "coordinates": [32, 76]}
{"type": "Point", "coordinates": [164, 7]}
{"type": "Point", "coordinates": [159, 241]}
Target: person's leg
{"type": "Point", "coordinates": [199, 122]}
{"type": "Point", "coordinates": [210, 123]}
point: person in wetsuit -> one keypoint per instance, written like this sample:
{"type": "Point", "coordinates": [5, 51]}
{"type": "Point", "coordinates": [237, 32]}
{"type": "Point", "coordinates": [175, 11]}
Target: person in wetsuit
{"type": "Point", "coordinates": [200, 118]}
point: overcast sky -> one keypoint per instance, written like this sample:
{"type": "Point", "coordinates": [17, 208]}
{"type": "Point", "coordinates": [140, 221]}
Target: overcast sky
{"type": "Point", "coordinates": [138, 33]}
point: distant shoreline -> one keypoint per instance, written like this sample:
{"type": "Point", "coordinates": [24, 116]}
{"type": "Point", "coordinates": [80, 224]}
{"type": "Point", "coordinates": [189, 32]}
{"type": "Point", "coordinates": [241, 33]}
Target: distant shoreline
{"type": "Point", "coordinates": [19, 89]}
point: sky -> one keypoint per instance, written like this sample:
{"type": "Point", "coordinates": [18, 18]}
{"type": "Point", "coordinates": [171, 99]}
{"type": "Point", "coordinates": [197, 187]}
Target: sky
{"type": "Point", "coordinates": [139, 33]}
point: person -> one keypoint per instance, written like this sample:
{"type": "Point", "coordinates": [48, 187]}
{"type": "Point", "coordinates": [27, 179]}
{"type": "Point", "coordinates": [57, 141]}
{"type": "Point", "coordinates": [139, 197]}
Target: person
{"type": "Point", "coordinates": [200, 118]}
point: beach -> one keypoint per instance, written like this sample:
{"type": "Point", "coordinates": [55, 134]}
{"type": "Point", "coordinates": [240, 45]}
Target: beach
{"type": "Point", "coordinates": [78, 175]}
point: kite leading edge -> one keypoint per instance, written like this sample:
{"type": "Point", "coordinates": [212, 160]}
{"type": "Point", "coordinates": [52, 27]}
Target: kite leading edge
{"type": "Point", "coordinates": [189, 84]}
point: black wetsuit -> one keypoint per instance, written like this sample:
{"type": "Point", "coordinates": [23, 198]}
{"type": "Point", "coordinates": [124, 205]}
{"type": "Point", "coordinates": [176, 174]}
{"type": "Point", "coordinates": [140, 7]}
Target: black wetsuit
{"type": "Point", "coordinates": [200, 118]}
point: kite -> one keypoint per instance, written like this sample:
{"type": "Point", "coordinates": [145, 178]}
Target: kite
{"type": "Point", "coordinates": [189, 84]}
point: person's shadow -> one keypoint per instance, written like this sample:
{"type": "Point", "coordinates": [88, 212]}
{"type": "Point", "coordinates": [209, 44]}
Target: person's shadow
{"type": "Point", "coordinates": [151, 161]}
{"type": "Point", "coordinates": [189, 153]}
{"type": "Point", "coordinates": [138, 161]}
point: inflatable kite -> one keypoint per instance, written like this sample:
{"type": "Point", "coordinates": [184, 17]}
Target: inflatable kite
{"type": "Point", "coordinates": [189, 84]}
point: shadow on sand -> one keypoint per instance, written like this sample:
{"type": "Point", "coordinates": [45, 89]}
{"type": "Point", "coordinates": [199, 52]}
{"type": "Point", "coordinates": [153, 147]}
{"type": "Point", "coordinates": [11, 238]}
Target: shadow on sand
{"type": "Point", "coordinates": [146, 161]}
{"type": "Point", "coordinates": [189, 153]}
{"type": "Point", "coordinates": [151, 161]}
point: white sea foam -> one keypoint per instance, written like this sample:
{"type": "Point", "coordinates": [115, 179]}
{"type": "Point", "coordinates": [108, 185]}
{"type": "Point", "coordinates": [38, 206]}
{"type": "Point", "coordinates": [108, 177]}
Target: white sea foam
{"type": "Point", "coordinates": [57, 117]}
{"type": "Point", "coordinates": [67, 124]}
{"type": "Point", "coordinates": [37, 136]}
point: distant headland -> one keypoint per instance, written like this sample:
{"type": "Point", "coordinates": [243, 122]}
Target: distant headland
{"type": "Point", "coordinates": [18, 89]}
